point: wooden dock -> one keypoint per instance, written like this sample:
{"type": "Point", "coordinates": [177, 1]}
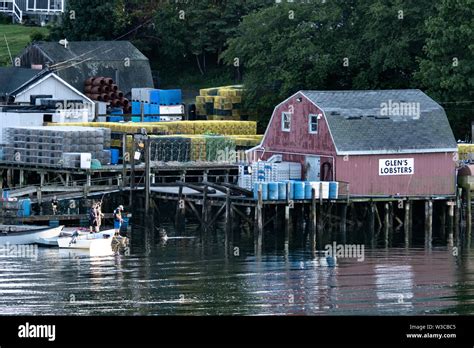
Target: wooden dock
{"type": "Point", "coordinates": [209, 202]}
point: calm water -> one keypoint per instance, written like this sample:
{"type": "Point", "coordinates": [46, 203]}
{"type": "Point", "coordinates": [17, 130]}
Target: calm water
{"type": "Point", "coordinates": [195, 277]}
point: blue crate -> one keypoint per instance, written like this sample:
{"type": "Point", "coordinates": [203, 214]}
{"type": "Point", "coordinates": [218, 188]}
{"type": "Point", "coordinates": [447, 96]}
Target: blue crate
{"type": "Point", "coordinates": [115, 119]}
{"type": "Point", "coordinates": [170, 97]}
{"type": "Point", "coordinates": [135, 108]}
{"type": "Point", "coordinates": [147, 109]}
{"type": "Point", "coordinates": [155, 96]}
{"type": "Point", "coordinates": [136, 118]}
{"type": "Point", "coordinates": [116, 111]}
{"type": "Point", "coordinates": [154, 109]}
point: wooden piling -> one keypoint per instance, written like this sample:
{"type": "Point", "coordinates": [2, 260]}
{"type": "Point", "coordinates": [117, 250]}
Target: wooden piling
{"type": "Point", "coordinates": [442, 221]}
{"type": "Point", "coordinates": [228, 223]}
{"type": "Point", "coordinates": [468, 213]}
{"type": "Point", "coordinates": [428, 222]}
{"type": "Point", "coordinates": [372, 222]}
{"type": "Point", "coordinates": [407, 223]}
{"type": "Point", "coordinates": [147, 175]}
{"type": "Point", "coordinates": [204, 210]}
{"type": "Point", "coordinates": [259, 213]}
{"type": "Point", "coordinates": [132, 174]}
{"type": "Point", "coordinates": [10, 178]}
{"type": "Point", "coordinates": [386, 223]}
{"type": "Point", "coordinates": [313, 220]}
{"type": "Point", "coordinates": [22, 178]}
{"type": "Point", "coordinates": [41, 178]}
{"type": "Point", "coordinates": [343, 222]}
{"type": "Point", "coordinates": [180, 209]}
{"type": "Point", "coordinates": [451, 222]}
{"type": "Point", "coordinates": [124, 159]}
{"type": "Point", "coordinates": [457, 215]}
{"type": "Point", "coordinates": [287, 214]}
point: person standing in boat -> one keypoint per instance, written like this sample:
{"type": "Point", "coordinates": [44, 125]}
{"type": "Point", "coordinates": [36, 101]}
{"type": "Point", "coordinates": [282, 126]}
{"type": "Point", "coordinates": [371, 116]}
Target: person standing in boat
{"type": "Point", "coordinates": [55, 205]}
{"type": "Point", "coordinates": [118, 219]}
{"type": "Point", "coordinates": [99, 217]}
{"type": "Point", "coordinates": [93, 218]}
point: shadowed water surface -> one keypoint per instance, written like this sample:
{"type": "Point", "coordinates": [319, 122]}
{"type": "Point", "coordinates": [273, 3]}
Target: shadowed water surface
{"type": "Point", "coordinates": [198, 277]}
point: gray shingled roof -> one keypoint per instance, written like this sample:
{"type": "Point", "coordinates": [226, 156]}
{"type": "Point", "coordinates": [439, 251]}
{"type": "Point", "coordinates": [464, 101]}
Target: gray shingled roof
{"type": "Point", "coordinates": [84, 59]}
{"type": "Point", "coordinates": [358, 125]}
{"type": "Point", "coordinates": [92, 50]}
{"type": "Point", "coordinates": [12, 78]}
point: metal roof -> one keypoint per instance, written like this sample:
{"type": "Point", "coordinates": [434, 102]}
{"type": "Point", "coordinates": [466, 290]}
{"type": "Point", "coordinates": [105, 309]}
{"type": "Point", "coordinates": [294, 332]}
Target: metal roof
{"type": "Point", "coordinates": [11, 78]}
{"type": "Point", "coordinates": [84, 59]}
{"type": "Point", "coordinates": [91, 50]}
{"type": "Point", "coordinates": [364, 122]}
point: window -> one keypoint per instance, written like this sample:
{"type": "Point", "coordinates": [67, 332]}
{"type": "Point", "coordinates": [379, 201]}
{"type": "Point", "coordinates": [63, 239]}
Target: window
{"type": "Point", "coordinates": [313, 123]}
{"type": "Point", "coordinates": [285, 121]}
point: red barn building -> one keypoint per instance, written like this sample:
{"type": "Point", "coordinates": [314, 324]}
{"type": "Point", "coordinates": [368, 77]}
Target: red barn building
{"type": "Point", "coordinates": [383, 143]}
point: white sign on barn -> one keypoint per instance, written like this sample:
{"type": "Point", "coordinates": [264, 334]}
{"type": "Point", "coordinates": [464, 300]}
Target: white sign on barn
{"type": "Point", "coordinates": [397, 166]}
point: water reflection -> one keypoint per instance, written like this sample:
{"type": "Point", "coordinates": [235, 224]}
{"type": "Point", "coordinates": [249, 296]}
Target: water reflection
{"type": "Point", "coordinates": [206, 276]}
{"type": "Point", "coordinates": [394, 287]}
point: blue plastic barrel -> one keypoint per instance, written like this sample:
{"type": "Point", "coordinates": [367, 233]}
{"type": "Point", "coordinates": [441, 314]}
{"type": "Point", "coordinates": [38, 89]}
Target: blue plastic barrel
{"type": "Point", "coordinates": [308, 190]}
{"type": "Point", "coordinates": [282, 191]}
{"type": "Point", "coordinates": [298, 189]}
{"type": "Point", "coordinates": [115, 154]}
{"type": "Point", "coordinates": [264, 190]}
{"type": "Point", "coordinates": [24, 206]}
{"type": "Point", "coordinates": [333, 190]}
{"type": "Point", "coordinates": [273, 191]}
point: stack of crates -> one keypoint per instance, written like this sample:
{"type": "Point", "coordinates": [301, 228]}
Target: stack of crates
{"type": "Point", "coordinates": [276, 172]}
{"type": "Point", "coordinates": [49, 146]}
{"type": "Point", "coordinates": [155, 103]}
{"type": "Point", "coordinates": [220, 103]}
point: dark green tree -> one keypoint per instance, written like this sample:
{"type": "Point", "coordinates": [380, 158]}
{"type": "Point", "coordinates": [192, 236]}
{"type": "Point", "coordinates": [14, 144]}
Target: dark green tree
{"type": "Point", "coordinates": [447, 68]}
{"type": "Point", "coordinates": [288, 47]}
{"type": "Point", "coordinates": [196, 32]}
{"type": "Point", "coordinates": [388, 37]}
{"type": "Point", "coordinates": [339, 44]}
{"type": "Point", "coordinates": [92, 20]}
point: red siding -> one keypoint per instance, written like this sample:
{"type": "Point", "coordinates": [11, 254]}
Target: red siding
{"type": "Point", "coordinates": [434, 175]}
{"type": "Point", "coordinates": [299, 140]}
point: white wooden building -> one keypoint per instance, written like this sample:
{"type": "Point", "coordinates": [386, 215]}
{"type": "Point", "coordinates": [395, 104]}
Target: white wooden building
{"type": "Point", "coordinates": [45, 98]}
{"type": "Point", "coordinates": [18, 9]}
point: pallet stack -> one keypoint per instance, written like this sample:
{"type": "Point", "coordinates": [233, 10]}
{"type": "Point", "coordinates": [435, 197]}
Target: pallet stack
{"type": "Point", "coordinates": [220, 103]}
{"type": "Point", "coordinates": [244, 129]}
{"type": "Point", "coordinates": [104, 89]}
{"type": "Point", "coordinates": [158, 104]}
{"type": "Point", "coordinates": [56, 146]}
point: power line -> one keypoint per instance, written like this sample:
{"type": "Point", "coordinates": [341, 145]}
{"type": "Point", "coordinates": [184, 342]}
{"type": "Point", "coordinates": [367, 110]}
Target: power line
{"type": "Point", "coordinates": [59, 67]}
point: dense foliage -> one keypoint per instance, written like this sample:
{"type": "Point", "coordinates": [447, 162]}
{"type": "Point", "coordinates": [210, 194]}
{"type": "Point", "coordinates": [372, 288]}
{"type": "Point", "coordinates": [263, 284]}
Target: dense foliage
{"type": "Point", "coordinates": [279, 48]}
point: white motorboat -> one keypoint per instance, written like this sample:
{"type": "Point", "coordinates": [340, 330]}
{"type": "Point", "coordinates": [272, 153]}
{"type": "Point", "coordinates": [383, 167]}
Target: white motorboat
{"type": "Point", "coordinates": [91, 241]}
{"type": "Point", "coordinates": [21, 235]}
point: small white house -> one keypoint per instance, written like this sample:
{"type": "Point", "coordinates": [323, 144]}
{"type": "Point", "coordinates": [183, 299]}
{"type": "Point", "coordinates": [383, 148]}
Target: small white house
{"type": "Point", "coordinates": [41, 98]}
{"type": "Point", "coordinates": [49, 84]}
